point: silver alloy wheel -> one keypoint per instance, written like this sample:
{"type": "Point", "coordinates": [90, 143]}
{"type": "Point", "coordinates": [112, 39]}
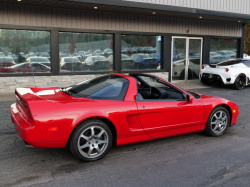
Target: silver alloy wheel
{"type": "Point", "coordinates": [219, 122]}
{"type": "Point", "coordinates": [93, 141]}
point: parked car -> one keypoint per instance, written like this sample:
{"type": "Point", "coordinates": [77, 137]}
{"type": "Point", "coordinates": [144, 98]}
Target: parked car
{"type": "Point", "coordinates": [149, 50]}
{"type": "Point", "coordinates": [235, 72]}
{"type": "Point", "coordinates": [71, 64]}
{"type": "Point", "coordinates": [96, 63]}
{"type": "Point", "coordinates": [30, 55]}
{"type": "Point", "coordinates": [93, 115]}
{"type": "Point", "coordinates": [41, 60]}
{"type": "Point", "coordinates": [156, 56]}
{"type": "Point", "coordinates": [22, 54]}
{"type": "Point", "coordinates": [25, 67]}
{"type": "Point", "coordinates": [144, 61]}
{"type": "Point", "coordinates": [77, 55]}
{"type": "Point", "coordinates": [191, 55]}
{"type": "Point", "coordinates": [127, 62]}
{"type": "Point", "coordinates": [86, 54]}
{"type": "Point", "coordinates": [45, 54]}
{"type": "Point", "coordinates": [227, 54]}
{"type": "Point", "coordinates": [6, 61]}
{"type": "Point", "coordinates": [215, 58]}
{"type": "Point", "coordinates": [131, 50]}
{"type": "Point", "coordinates": [62, 56]}
{"type": "Point", "coordinates": [2, 54]}
{"type": "Point", "coordinates": [98, 53]}
{"type": "Point", "coordinates": [108, 52]}
{"type": "Point", "coordinates": [123, 50]}
{"type": "Point", "coordinates": [15, 57]}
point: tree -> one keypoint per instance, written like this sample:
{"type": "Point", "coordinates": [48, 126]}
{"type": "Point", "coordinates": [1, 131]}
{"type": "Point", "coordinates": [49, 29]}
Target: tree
{"type": "Point", "coordinates": [247, 40]}
{"type": "Point", "coordinates": [72, 45]}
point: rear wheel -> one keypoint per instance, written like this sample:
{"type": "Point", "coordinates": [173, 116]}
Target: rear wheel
{"type": "Point", "coordinates": [91, 140]}
{"type": "Point", "coordinates": [217, 122]}
{"type": "Point", "coordinates": [240, 82]}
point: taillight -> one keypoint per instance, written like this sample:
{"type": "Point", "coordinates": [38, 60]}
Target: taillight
{"type": "Point", "coordinates": [173, 65]}
{"type": "Point", "coordinates": [226, 69]}
{"type": "Point", "coordinates": [143, 60]}
{"type": "Point", "coordinates": [202, 67]}
{"type": "Point", "coordinates": [215, 58]}
{"type": "Point", "coordinates": [232, 56]}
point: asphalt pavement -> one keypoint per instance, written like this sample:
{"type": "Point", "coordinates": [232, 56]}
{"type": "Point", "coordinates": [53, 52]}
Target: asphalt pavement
{"type": "Point", "coordinates": [188, 160]}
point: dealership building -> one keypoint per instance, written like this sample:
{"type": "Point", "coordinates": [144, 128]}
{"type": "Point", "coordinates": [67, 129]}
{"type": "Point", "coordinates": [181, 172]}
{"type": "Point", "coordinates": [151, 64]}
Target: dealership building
{"type": "Point", "coordinates": [51, 43]}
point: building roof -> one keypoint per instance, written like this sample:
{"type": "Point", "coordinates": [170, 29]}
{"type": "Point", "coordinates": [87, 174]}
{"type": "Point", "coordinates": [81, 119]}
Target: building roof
{"type": "Point", "coordinates": [132, 7]}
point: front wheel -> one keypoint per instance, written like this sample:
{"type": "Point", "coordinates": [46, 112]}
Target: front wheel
{"type": "Point", "coordinates": [91, 140]}
{"type": "Point", "coordinates": [217, 122]}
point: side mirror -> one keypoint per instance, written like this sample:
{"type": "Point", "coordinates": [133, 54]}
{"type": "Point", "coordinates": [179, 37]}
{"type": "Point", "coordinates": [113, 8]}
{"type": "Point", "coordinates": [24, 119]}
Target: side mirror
{"type": "Point", "coordinates": [139, 84]}
{"type": "Point", "coordinates": [189, 98]}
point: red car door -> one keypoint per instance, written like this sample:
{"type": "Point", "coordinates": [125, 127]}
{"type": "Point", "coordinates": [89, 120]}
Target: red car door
{"type": "Point", "coordinates": [170, 117]}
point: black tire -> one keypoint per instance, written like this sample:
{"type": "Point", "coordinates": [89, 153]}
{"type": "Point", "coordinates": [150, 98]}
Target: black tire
{"type": "Point", "coordinates": [210, 128]}
{"type": "Point", "coordinates": [76, 140]}
{"type": "Point", "coordinates": [240, 82]}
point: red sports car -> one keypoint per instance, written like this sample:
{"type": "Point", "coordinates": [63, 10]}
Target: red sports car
{"type": "Point", "coordinates": [117, 109]}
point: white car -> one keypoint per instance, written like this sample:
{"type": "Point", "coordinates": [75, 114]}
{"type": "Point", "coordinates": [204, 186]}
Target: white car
{"type": "Point", "coordinates": [235, 72]}
{"type": "Point", "coordinates": [227, 54]}
{"type": "Point", "coordinates": [193, 68]}
{"type": "Point", "coordinates": [215, 58]}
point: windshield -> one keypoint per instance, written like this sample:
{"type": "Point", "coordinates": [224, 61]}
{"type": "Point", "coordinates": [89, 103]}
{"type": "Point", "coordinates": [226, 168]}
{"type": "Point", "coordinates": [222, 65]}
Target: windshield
{"type": "Point", "coordinates": [231, 53]}
{"type": "Point", "coordinates": [71, 60]}
{"type": "Point", "coordinates": [39, 60]}
{"type": "Point", "coordinates": [6, 60]}
{"type": "Point", "coordinates": [87, 53]}
{"type": "Point", "coordinates": [98, 58]}
{"type": "Point", "coordinates": [98, 51]}
{"type": "Point", "coordinates": [214, 54]}
{"type": "Point", "coordinates": [145, 56]}
{"type": "Point", "coordinates": [107, 87]}
{"type": "Point", "coordinates": [19, 65]}
{"type": "Point", "coordinates": [125, 57]}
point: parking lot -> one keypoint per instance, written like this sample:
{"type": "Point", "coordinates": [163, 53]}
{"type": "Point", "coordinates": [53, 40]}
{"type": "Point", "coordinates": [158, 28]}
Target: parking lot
{"type": "Point", "coordinates": [187, 160]}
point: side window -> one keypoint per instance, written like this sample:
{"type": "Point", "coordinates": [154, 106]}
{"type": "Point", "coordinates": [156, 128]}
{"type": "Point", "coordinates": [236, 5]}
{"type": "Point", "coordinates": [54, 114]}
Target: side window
{"type": "Point", "coordinates": [137, 57]}
{"type": "Point", "coordinates": [152, 89]}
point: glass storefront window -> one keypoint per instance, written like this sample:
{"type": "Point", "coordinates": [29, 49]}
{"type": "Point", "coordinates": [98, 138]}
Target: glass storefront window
{"type": "Point", "coordinates": [24, 51]}
{"type": "Point", "coordinates": [141, 52]}
{"type": "Point", "coordinates": [85, 52]}
{"type": "Point", "coordinates": [222, 49]}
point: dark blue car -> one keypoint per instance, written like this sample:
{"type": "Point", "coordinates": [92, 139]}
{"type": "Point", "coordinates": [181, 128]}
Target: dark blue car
{"type": "Point", "coordinates": [156, 56]}
{"type": "Point", "coordinates": [144, 61]}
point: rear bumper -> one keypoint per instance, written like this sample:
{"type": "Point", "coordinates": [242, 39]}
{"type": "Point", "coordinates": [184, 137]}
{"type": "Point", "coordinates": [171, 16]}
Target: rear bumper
{"type": "Point", "coordinates": [30, 132]}
{"type": "Point", "coordinates": [211, 78]}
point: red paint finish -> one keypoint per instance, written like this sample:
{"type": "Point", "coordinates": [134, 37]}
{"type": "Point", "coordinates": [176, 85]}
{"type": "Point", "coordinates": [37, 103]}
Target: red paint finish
{"type": "Point", "coordinates": [133, 120]}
